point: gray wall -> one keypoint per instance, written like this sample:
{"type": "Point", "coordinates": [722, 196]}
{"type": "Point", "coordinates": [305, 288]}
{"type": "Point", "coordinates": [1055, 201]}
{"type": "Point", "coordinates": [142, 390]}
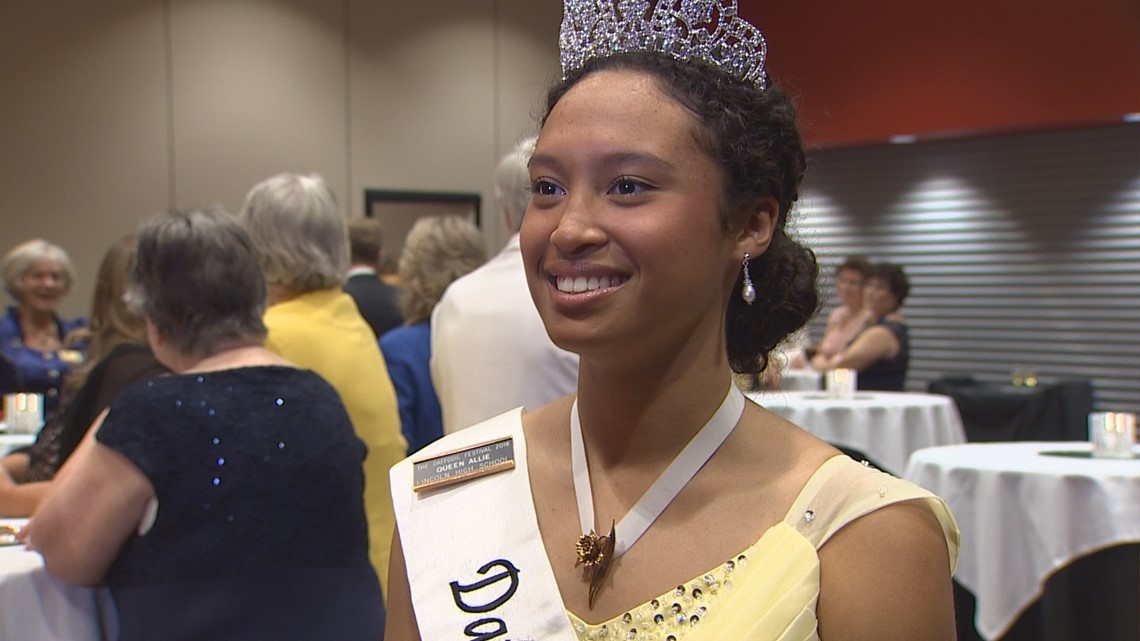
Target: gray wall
{"type": "Point", "coordinates": [115, 110]}
{"type": "Point", "coordinates": [1023, 250]}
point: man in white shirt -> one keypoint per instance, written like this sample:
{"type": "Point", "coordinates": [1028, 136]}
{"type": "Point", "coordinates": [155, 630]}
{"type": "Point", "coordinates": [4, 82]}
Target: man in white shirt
{"type": "Point", "coordinates": [490, 351]}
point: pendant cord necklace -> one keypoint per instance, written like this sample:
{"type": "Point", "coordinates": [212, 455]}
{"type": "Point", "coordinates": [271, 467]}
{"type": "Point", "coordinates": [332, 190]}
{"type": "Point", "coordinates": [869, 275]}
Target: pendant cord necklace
{"type": "Point", "coordinates": [597, 552]}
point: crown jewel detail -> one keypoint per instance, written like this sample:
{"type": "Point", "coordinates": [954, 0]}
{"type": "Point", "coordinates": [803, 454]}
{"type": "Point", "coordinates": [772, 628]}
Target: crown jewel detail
{"type": "Point", "coordinates": [706, 30]}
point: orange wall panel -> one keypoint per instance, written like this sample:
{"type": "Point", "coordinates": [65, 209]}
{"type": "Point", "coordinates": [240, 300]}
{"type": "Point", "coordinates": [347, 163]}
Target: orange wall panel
{"type": "Point", "coordinates": [865, 71]}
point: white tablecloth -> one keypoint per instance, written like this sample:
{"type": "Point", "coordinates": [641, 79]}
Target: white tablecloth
{"type": "Point", "coordinates": [35, 606]}
{"type": "Point", "coordinates": [9, 442]}
{"type": "Point", "coordinates": [807, 380]}
{"type": "Point", "coordinates": [1023, 515]}
{"type": "Point", "coordinates": [886, 426]}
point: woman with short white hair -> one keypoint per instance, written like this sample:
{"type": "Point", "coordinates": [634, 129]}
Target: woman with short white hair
{"type": "Point", "coordinates": [300, 233]}
{"type": "Point", "coordinates": [301, 240]}
{"type": "Point", "coordinates": [34, 344]}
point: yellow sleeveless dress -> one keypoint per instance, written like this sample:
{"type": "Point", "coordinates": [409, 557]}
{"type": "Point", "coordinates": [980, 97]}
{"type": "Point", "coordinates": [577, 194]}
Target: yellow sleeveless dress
{"type": "Point", "coordinates": [769, 591]}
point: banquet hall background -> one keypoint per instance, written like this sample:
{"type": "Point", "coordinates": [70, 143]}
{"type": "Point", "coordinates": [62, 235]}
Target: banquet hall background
{"type": "Point", "coordinates": [984, 147]}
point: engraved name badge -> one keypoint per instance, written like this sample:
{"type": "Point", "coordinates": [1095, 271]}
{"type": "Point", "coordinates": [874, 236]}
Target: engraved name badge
{"type": "Point", "coordinates": [463, 465]}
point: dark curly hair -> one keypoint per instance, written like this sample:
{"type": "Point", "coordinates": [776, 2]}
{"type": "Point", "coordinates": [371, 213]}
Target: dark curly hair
{"type": "Point", "coordinates": [895, 278]}
{"type": "Point", "coordinates": [753, 137]}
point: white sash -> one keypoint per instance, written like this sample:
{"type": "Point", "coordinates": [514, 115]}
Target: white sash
{"type": "Point", "coordinates": [474, 556]}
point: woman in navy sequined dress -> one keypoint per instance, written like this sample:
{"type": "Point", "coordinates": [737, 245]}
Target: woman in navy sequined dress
{"type": "Point", "coordinates": [224, 501]}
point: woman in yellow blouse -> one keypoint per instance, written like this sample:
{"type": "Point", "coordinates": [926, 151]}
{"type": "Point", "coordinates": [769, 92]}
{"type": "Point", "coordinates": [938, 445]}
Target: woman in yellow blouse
{"type": "Point", "coordinates": [301, 239]}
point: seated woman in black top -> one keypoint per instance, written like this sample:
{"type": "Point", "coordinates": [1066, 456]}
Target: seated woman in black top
{"type": "Point", "coordinates": [117, 355]}
{"type": "Point", "coordinates": [881, 352]}
{"type": "Point", "coordinates": [224, 501]}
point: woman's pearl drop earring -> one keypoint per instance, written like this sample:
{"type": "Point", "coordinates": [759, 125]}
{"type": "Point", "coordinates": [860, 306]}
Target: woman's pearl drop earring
{"type": "Point", "coordinates": [748, 292]}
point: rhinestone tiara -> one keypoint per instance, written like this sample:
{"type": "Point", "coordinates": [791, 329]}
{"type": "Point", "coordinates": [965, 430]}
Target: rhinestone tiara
{"type": "Point", "coordinates": [706, 30]}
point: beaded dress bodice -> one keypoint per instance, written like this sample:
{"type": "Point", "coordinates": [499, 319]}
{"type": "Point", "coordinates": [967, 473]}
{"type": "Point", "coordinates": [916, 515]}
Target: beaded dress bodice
{"type": "Point", "coordinates": [669, 616]}
{"type": "Point", "coordinates": [769, 591]}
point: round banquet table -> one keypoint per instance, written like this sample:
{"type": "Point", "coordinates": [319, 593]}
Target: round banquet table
{"type": "Point", "coordinates": [801, 379]}
{"type": "Point", "coordinates": [35, 606]}
{"type": "Point", "coordinates": [886, 426]}
{"type": "Point", "coordinates": [1025, 510]}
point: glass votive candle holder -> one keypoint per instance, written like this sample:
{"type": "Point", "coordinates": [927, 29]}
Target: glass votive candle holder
{"type": "Point", "coordinates": [1112, 434]}
{"type": "Point", "coordinates": [24, 413]}
{"type": "Point", "coordinates": [841, 382]}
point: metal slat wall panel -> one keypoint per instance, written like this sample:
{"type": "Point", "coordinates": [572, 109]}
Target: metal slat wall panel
{"type": "Point", "coordinates": [1023, 250]}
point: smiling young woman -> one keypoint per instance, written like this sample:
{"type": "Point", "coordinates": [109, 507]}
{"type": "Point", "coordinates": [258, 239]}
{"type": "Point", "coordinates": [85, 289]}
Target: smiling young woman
{"type": "Point", "coordinates": [621, 193]}
{"type": "Point", "coordinates": [656, 502]}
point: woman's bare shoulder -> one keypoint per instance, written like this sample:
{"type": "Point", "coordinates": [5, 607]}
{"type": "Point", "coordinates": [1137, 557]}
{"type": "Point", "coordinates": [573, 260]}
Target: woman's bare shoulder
{"type": "Point", "coordinates": [770, 460]}
{"type": "Point", "coordinates": [897, 555]}
{"type": "Point", "coordinates": [789, 446]}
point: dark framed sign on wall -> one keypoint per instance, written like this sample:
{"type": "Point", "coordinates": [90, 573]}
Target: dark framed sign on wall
{"type": "Point", "coordinates": [397, 211]}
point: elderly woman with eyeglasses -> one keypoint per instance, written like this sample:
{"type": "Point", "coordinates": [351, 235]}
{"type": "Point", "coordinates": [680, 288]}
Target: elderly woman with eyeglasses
{"type": "Point", "coordinates": [35, 353]}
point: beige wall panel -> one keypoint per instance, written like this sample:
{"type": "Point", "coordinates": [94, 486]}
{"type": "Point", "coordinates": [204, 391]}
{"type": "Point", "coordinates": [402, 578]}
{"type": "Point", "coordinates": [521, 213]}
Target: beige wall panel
{"type": "Point", "coordinates": [526, 57]}
{"type": "Point", "coordinates": [423, 98]}
{"type": "Point", "coordinates": [439, 96]}
{"type": "Point", "coordinates": [111, 112]}
{"type": "Point", "coordinates": [258, 88]}
{"type": "Point", "coordinates": [83, 145]}
{"type": "Point", "coordinates": [422, 93]}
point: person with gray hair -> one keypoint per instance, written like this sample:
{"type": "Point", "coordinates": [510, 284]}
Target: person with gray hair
{"type": "Point", "coordinates": [35, 354]}
{"type": "Point", "coordinates": [438, 249]}
{"type": "Point", "coordinates": [490, 351]}
{"type": "Point", "coordinates": [300, 237]}
{"type": "Point", "coordinates": [184, 498]}
{"type": "Point", "coordinates": [300, 233]}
